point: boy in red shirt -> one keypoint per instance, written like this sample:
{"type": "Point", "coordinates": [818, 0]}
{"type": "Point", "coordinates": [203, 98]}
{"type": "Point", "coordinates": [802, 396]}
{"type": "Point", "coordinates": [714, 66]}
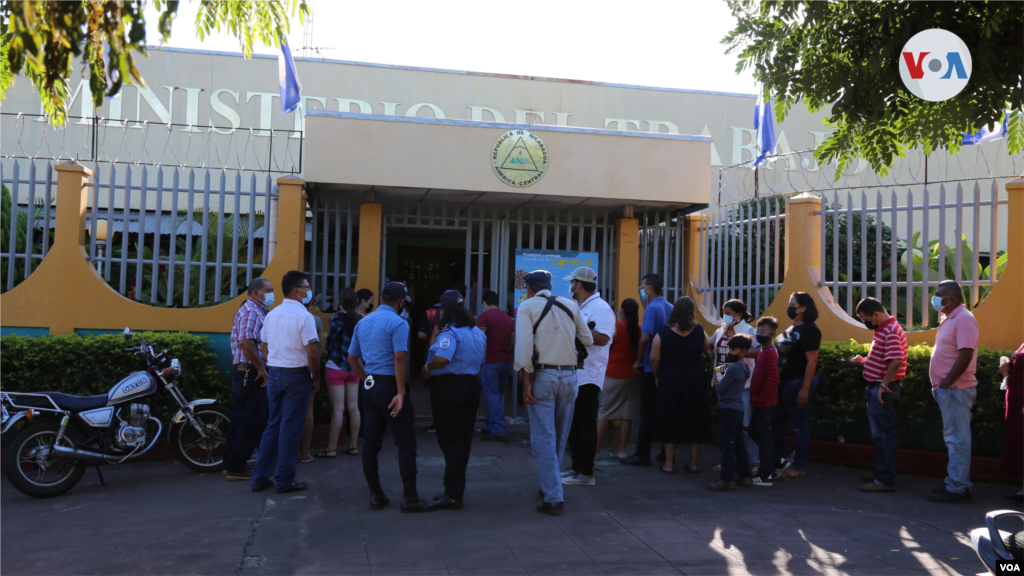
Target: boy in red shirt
{"type": "Point", "coordinates": [764, 396]}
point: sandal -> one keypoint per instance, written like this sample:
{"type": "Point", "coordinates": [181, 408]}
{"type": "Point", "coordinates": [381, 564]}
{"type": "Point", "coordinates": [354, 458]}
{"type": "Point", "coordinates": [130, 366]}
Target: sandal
{"type": "Point", "coordinates": [353, 451]}
{"type": "Point", "coordinates": [325, 453]}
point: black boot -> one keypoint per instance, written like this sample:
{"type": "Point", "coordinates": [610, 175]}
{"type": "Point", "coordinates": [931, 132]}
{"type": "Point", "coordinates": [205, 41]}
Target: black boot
{"type": "Point", "coordinates": [411, 502]}
{"type": "Point", "coordinates": [377, 498]}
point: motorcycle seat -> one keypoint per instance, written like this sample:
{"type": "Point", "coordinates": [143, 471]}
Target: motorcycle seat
{"type": "Point", "coordinates": [64, 401]}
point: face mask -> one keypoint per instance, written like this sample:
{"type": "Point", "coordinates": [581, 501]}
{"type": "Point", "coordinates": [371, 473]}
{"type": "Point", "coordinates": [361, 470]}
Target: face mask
{"type": "Point", "coordinates": [308, 298]}
{"type": "Point", "coordinates": [643, 297]}
{"type": "Point", "coordinates": [369, 308]}
{"type": "Point", "coordinates": [573, 293]}
{"type": "Point", "coordinates": [732, 358]}
{"type": "Point", "coordinates": [268, 299]}
{"type": "Point", "coordinates": [937, 303]}
{"type": "Point", "coordinates": [791, 312]}
{"type": "Point", "coordinates": [869, 324]}
{"type": "Point", "coordinates": [728, 321]}
{"type": "Point", "coordinates": [762, 340]}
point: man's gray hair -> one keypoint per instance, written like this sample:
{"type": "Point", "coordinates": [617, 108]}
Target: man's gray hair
{"type": "Point", "coordinates": [958, 291]}
{"type": "Point", "coordinates": [256, 284]}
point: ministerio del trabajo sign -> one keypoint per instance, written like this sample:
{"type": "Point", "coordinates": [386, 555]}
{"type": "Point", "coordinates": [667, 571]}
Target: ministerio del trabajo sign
{"type": "Point", "coordinates": [519, 158]}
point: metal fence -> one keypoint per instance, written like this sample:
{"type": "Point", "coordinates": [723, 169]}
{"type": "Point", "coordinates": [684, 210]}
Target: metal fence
{"type": "Point", "coordinates": [335, 218]}
{"type": "Point", "coordinates": [800, 171]}
{"type": "Point", "coordinates": [898, 245]}
{"type": "Point", "coordinates": [742, 255]}
{"type": "Point", "coordinates": [492, 234]}
{"type": "Point", "coordinates": [176, 213]}
{"type": "Point", "coordinates": [661, 250]}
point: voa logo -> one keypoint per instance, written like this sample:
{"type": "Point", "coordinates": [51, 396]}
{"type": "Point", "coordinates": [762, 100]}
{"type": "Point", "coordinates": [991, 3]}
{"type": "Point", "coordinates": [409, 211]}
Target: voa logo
{"type": "Point", "coordinates": [935, 65]}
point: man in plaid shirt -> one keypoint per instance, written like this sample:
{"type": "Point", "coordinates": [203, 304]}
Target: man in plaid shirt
{"type": "Point", "coordinates": [248, 381]}
{"type": "Point", "coordinates": [884, 368]}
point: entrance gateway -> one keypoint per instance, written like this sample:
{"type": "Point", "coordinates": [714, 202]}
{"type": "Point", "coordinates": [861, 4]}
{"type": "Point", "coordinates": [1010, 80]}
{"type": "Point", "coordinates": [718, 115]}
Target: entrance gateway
{"type": "Point", "coordinates": [451, 202]}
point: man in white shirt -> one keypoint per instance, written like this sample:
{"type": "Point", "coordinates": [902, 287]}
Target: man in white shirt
{"type": "Point", "coordinates": [599, 317]}
{"type": "Point", "coordinates": [290, 345]}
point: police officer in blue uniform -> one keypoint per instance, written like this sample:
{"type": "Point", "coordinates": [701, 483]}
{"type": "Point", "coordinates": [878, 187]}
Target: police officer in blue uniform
{"type": "Point", "coordinates": [379, 354]}
{"type": "Point", "coordinates": [454, 361]}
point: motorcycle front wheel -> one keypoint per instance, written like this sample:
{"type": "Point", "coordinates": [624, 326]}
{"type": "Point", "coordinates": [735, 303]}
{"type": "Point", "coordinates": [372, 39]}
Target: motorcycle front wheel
{"type": "Point", "coordinates": [31, 469]}
{"type": "Point", "coordinates": [199, 454]}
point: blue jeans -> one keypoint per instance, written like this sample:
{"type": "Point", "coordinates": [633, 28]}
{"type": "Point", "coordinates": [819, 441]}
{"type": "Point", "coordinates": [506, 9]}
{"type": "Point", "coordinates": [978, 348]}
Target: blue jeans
{"type": "Point", "coordinates": [798, 417]}
{"type": "Point", "coordinates": [493, 380]}
{"type": "Point", "coordinates": [248, 419]}
{"type": "Point", "coordinates": [955, 405]}
{"type": "Point", "coordinates": [550, 421]}
{"type": "Point", "coordinates": [753, 452]}
{"type": "Point", "coordinates": [288, 395]}
{"type": "Point", "coordinates": [882, 418]}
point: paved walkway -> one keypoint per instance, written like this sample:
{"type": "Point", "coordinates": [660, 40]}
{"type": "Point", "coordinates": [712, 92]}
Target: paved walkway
{"type": "Point", "coordinates": [161, 518]}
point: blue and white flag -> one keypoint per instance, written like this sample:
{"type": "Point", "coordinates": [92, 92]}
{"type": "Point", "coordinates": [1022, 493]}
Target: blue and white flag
{"type": "Point", "coordinates": [986, 135]}
{"type": "Point", "coordinates": [291, 89]}
{"type": "Point", "coordinates": [765, 128]}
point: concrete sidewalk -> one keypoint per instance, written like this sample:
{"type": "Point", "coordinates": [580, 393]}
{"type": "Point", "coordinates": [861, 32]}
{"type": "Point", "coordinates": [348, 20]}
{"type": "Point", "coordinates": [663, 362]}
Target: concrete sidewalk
{"type": "Point", "coordinates": [161, 518]}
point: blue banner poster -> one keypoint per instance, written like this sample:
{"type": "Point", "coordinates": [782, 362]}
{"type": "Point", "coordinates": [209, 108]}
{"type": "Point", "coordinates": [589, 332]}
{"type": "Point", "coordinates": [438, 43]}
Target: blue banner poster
{"type": "Point", "coordinates": [560, 263]}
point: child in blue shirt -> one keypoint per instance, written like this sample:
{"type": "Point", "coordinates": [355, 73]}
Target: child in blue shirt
{"type": "Point", "coordinates": [730, 418]}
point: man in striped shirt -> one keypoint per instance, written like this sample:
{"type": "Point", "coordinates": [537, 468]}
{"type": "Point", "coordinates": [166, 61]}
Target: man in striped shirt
{"type": "Point", "coordinates": [884, 368]}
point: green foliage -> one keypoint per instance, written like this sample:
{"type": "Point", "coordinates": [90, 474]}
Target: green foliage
{"type": "Point", "coordinates": [90, 365]}
{"type": "Point", "coordinates": [846, 55]}
{"type": "Point", "coordinates": [841, 229]}
{"type": "Point", "coordinates": [840, 397]}
{"type": "Point", "coordinates": [40, 38]}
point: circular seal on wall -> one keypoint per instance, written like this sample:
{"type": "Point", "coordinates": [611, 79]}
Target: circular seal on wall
{"type": "Point", "coordinates": [520, 158]}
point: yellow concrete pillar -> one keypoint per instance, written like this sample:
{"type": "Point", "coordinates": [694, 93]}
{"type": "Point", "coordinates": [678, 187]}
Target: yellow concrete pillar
{"type": "Point", "coordinates": [627, 260]}
{"type": "Point", "coordinates": [69, 228]}
{"type": "Point", "coordinates": [694, 254]}
{"type": "Point", "coordinates": [368, 271]}
{"type": "Point", "coordinates": [1001, 314]}
{"type": "Point", "coordinates": [291, 229]}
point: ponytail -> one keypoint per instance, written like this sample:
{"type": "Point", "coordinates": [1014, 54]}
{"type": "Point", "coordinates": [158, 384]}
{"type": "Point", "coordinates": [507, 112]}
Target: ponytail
{"type": "Point", "coordinates": [738, 307]}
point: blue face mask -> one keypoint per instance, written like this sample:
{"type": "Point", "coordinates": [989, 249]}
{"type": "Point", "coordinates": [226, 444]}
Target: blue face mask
{"type": "Point", "coordinates": [643, 297]}
{"type": "Point", "coordinates": [308, 298]}
{"type": "Point", "coordinates": [937, 303]}
{"type": "Point", "coordinates": [268, 299]}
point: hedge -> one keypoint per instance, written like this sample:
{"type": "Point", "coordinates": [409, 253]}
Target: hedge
{"type": "Point", "coordinates": [91, 365]}
{"type": "Point", "coordinates": [838, 407]}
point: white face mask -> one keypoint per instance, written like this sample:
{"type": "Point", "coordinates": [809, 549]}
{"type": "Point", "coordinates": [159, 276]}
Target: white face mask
{"type": "Point", "coordinates": [268, 299]}
{"type": "Point", "coordinates": [728, 321]}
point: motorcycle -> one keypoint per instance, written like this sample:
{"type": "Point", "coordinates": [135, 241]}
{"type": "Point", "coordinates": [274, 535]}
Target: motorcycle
{"type": "Point", "coordinates": [1000, 550]}
{"type": "Point", "coordinates": [66, 434]}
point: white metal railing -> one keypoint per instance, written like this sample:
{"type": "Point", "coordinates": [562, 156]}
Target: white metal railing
{"type": "Point", "coordinates": [742, 255]}
{"type": "Point", "coordinates": [800, 171]}
{"type": "Point", "coordinates": [661, 250]}
{"type": "Point", "coordinates": [335, 220]}
{"type": "Point", "coordinates": [897, 245]}
{"type": "Point", "coordinates": [29, 221]}
{"type": "Point", "coordinates": [215, 249]}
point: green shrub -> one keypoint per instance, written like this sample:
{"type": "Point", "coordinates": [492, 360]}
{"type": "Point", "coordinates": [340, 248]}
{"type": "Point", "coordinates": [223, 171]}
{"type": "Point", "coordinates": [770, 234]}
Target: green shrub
{"type": "Point", "coordinates": [839, 404]}
{"type": "Point", "coordinates": [91, 365]}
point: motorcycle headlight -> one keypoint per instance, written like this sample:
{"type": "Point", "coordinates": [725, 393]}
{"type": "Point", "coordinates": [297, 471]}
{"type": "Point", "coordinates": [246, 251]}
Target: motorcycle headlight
{"type": "Point", "coordinates": [175, 368]}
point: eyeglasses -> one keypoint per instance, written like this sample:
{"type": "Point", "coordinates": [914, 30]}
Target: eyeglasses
{"type": "Point", "coordinates": [764, 332]}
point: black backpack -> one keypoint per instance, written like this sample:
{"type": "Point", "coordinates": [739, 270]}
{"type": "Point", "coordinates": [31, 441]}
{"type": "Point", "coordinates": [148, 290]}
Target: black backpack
{"type": "Point", "coordinates": [581, 350]}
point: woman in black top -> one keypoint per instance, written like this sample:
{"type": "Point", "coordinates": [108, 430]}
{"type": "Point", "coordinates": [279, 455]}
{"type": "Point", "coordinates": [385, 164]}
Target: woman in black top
{"type": "Point", "coordinates": [799, 346]}
{"type": "Point", "coordinates": [681, 411]}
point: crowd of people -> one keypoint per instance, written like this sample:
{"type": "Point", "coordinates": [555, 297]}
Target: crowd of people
{"type": "Point", "coordinates": [584, 368]}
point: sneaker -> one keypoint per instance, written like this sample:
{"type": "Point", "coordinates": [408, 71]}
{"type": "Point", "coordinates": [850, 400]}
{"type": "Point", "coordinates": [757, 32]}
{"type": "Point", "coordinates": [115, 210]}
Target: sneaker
{"type": "Point", "coordinates": [948, 496]}
{"type": "Point", "coordinates": [578, 480]}
{"type": "Point", "coordinates": [235, 476]}
{"type": "Point", "coordinates": [567, 473]}
{"type": "Point", "coordinates": [756, 481]}
{"type": "Point", "coordinates": [782, 468]}
{"type": "Point", "coordinates": [745, 482]}
{"type": "Point", "coordinates": [431, 429]}
{"type": "Point", "coordinates": [793, 473]}
{"type": "Point", "coordinates": [305, 458]}
{"type": "Point", "coordinates": [717, 468]}
{"type": "Point", "coordinates": [722, 486]}
{"type": "Point", "coordinates": [869, 477]}
{"type": "Point", "coordinates": [876, 487]}
{"type": "Point", "coordinates": [755, 468]}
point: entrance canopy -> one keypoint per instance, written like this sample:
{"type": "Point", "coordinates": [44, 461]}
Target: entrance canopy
{"type": "Point", "coordinates": [452, 159]}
